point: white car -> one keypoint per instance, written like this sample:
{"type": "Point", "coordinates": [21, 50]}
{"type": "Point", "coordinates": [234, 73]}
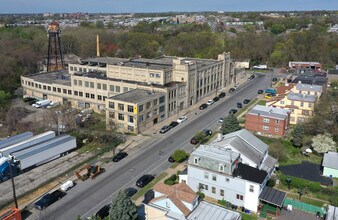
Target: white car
{"type": "Point", "coordinates": [210, 102]}
{"type": "Point", "coordinates": [182, 119]}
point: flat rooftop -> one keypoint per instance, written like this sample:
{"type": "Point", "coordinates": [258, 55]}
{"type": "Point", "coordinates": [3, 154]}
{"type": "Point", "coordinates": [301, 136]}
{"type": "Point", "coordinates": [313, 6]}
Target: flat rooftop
{"type": "Point", "coordinates": [216, 153]}
{"type": "Point", "coordinates": [302, 97]}
{"type": "Point", "coordinates": [206, 210]}
{"type": "Point", "coordinates": [58, 77]}
{"type": "Point", "coordinates": [137, 96]}
{"type": "Point", "coordinates": [268, 111]}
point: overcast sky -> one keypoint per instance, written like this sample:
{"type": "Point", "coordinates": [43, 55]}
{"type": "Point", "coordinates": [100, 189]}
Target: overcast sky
{"type": "Point", "coordinates": [125, 6]}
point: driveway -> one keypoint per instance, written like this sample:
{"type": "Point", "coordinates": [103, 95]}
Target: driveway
{"type": "Point", "coordinates": [296, 215]}
{"type": "Point", "coordinates": [306, 170]}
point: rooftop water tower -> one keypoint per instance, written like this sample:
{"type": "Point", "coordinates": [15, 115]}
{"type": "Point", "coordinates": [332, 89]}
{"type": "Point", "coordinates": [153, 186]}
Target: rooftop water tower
{"type": "Point", "coordinates": [55, 56]}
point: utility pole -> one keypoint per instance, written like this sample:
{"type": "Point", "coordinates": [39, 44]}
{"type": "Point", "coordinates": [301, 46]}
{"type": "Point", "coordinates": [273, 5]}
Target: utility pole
{"type": "Point", "coordinates": [12, 179]}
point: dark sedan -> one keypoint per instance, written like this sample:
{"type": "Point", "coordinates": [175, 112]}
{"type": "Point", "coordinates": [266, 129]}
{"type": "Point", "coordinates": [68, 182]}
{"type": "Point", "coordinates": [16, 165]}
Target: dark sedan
{"type": "Point", "coordinates": [232, 90]}
{"type": "Point", "coordinates": [260, 91]}
{"type": "Point", "coordinates": [164, 129]}
{"type": "Point", "coordinates": [216, 99]}
{"type": "Point", "coordinates": [232, 111]}
{"type": "Point", "coordinates": [173, 124]}
{"type": "Point", "coordinates": [130, 191]}
{"type": "Point", "coordinates": [103, 212]}
{"type": "Point", "coordinates": [222, 95]}
{"type": "Point", "coordinates": [48, 199]}
{"type": "Point", "coordinates": [120, 156]}
{"type": "Point", "coordinates": [203, 106]}
{"type": "Point", "coordinates": [246, 101]}
{"type": "Point", "coordinates": [144, 180]}
{"type": "Point", "coordinates": [171, 159]}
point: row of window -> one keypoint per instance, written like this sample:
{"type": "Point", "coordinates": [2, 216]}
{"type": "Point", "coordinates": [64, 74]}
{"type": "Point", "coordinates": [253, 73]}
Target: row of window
{"type": "Point", "coordinates": [267, 120]}
{"type": "Point", "coordinates": [221, 191]}
{"type": "Point", "coordinates": [157, 75]}
{"type": "Point", "coordinates": [302, 104]}
{"type": "Point", "coordinates": [141, 108]}
{"type": "Point", "coordinates": [266, 128]}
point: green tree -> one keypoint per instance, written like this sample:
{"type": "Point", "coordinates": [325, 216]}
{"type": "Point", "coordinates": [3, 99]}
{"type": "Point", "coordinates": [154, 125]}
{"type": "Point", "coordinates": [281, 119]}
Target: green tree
{"type": "Point", "coordinates": [277, 28]}
{"type": "Point", "coordinates": [122, 207]}
{"type": "Point", "coordinates": [230, 124]}
{"type": "Point", "coordinates": [277, 150]}
{"type": "Point", "coordinates": [179, 155]}
{"type": "Point", "coordinates": [323, 143]}
{"type": "Point", "coordinates": [297, 135]}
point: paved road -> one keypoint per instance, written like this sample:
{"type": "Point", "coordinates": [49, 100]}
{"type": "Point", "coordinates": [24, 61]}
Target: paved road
{"type": "Point", "coordinates": [151, 157]}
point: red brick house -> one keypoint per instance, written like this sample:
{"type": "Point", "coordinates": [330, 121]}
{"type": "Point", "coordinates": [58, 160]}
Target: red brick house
{"type": "Point", "coordinates": [267, 120]}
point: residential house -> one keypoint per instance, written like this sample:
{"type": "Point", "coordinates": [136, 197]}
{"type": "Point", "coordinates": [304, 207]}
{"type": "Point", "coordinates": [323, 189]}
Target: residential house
{"type": "Point", "coordinates": [309, 65]}
{"type": "Point", "coordinates": [182, 203]}
{"type": "Point", "coordinates": [312, 78]}
{"type": "Point", "coordinates": [283, 90]}
{"type": "Point", "coordinates": [330, 164]}
{"type": "Point", "coordinates": [332, 213]}
{"type": "Point", "coordinates": [267, 120]}
{"type": "Point", "coordinates": [301, 106]}
{"type": "Point", "coordinates": [308, 89]}
{"type": "Point", "coordinates": [219, 173]}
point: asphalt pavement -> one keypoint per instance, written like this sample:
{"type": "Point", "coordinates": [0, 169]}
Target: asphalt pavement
{"type": "Point", "coordinates": [148, 157]}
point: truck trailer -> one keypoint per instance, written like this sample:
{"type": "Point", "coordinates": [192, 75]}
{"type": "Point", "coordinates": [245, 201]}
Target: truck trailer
{"type": "Point", "coordinates": [15, 139]}
{"type": "Point", "coordinates": [5, 152]}
{"type": "Point", "coordinates": [36, 155]}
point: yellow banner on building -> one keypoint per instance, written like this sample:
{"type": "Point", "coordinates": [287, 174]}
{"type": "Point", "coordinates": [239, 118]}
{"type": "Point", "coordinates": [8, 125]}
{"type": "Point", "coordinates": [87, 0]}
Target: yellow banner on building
{"type": "Point", "coordinates": [135, 109]}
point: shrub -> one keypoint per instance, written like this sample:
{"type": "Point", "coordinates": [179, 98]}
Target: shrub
{"type": "Point", "coordinates": [201, 195]}
{"type": "Point", "coordinates": [222, 202]}
{"type": "Point", "coordinates": [271, 182]}
{"type": "Point", "coordinates": [171, 180]}
{"type": "Point", "coordinates": [179, 155]}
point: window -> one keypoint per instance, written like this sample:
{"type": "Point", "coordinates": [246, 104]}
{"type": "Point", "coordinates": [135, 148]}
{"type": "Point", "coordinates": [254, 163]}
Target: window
{"type": "Point", "coordinates": [251, 188]}
{"type": "Point", "coordinates": [239, 197]}
{"type": "Point", "coordinates": [214, 177]}
{"type": "Point", "coordinates": [44, 87]}
{"type": "Point", "coordinates": [111, 115]}
{"type": "Point", "coordinates": [117, 88]}
{"type": "Point", "coordinates": [130, 108]}
{"type": "Point", "coordinates": [162, 108]}
{"type": "Point", "coordinates": [130, 128]}
{"type": "Point", "coordinates": [162, 99]}
{"type": "Point", "coordinates": [266, 120]}
{"type": "Point", "coordinates": [121, 117]}
{"type": "Point", "coordinates": [59, 90]}
{"type": "Point", "coordinates": [76, 93]}
{"type": "Point", "coordinates": [125, 89]}
{"type": "Point", "coordinates": [141, 118]}
{"type": "Point", "coordinates": [112, 105]}
{"type": "Point", "coordinates": [75, 82]}
{"type": "Point", "coordinates": [306, 112]}
{"type": "Point", "coordinates": [221, 167]}
{"type": "Point", "coordinates": [49, 88]}
{"type": "Point", "coordinates": [292, 102]}
{"type": "Point", "coordinates": [39, 86]}
{"type": "Point", "coordinates": [86, 84]}
{"type": "Point", "coordinates": [310, 105]}
{"type": "Point", "coordinates": [130, 119]}
{"type": "Point", "coordinates": [92, 96]}
{"type": "Point", "coordinates": [75, 68]}
{"type": "Point", "coordinates": [91, 84]}
{"type": "Point", "coordinates": [282, 102]}
{"type": "Point", "coordinates": [277, 122]}
{"type": "Point", "coordinates": [265, 128]}
{"type": "Point", "coordinates": [276, 130]}
{"type": "Point", "coordinates": [111, 88]}
{"type": "Point", "coordinates": [104, 98]}
{"type": "Point", "coordinates": [148, 104]}
{"type": "Point", "coordinates": [155, 102]}
{"type": "Point", "coordinates": [121, 107]}
{"type": "Point", "coordinates": [80, 82]}
{"type": "Point", "coordinates": [140, 108]}
{"type": "Point", "coordinates": [155, 111]}
{"type": "Point", "coordinates": [206, 175]}
{"type": "Point", "coordinates": [213, 190]}
{"type": "Point", "coordinates": [98, 85]}
{"type": "Point", "coordinates": [71, 68]}
{"type": "Point", "coordinates": [87, 95]}
{"type": "Point", "coordinates": [99, 97]}
{"type": "Point", "coordinates": [227, 180]}
{"type": "Point", "coordinates": [221, 192]}
{"type": "Point", "coordinates": [151, 74]}
{"type": "Point", "coordinates": [148, 115]}
{"type": "Point", "coordinates": [81, 94]}
{"type": "Point", "coordinates": [203, 186]}
{"type": "Point", "coordinates": [69, 92]}
{"type": "Point", "coordinates": [157, 75]}
{"type": "Point", "coordinates": [302, 104]}
{"type": "Point", "coordinates": [196, 160]}
{"type": "Point", "coordinates": [104, 87]}
{"type": "Point", "coordinates": [80, 69]}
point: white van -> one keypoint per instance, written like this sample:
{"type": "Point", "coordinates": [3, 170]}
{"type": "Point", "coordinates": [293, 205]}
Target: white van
{"type": "Point", "coordinates": [85, 112]}
{"type": "Point", "coordinates": [41, 104]}
{"type": "Point", "coordinates": [67, 185]}
{"type": "Point", "coordinates": [53, 104]}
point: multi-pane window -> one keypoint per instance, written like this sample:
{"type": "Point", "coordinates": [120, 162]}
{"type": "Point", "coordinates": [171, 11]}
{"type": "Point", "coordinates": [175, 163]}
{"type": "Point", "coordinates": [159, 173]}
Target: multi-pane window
{"type": "Point", "coordinates": [162, 99]}
{"type": "Point", "coordinates": [141, 118]}
{"type": "Point", "coordinates": [80, 82]}
{"type": "Point", "coordinates": [81, 94]}
{"type": "Point", "coordinates": [121, 107]}
{"type": "Point", "coordinates": [92, 85]}
{"type": "Point", "coordinates": [125, 89]}
{"type": "Point", "coordinates": [69, 92]}
{"type": "Point", "coordinates": [213, 190]}
{"type": "Point", "coordinates": [75, 82]}
{"type": "Point", "coordinates": [111, 115]}
{"type": "Point", "coordinates": [86, 84]}
{"type": "Point", "coordinates": [251, 188]}
{"type": "Point", "coordinates": [266, 120]}
{"type": "Point", "coordinates": [221, 192]}
{"type": "Point", "coordinates": [44, 87]}
{"type": "Point", "coordinates": [112, 105]}
{"type": "Point", "coordinates": [155, 102]}
{"type": "Point", "coordinates": [65, 91]}
{"type": "Point", "coordinates": [99, 97]}
{"type": "Point", "coordinates": [277, 122]}
{"type": "Point", "coordinates": [92, 96]}
{"type": "Point", "coordinates": [162, 108]}
{"type": "Point", "coordinates": [76, 93]}
{"type": "Point", "coordinates": [221, 167]}
{"type": "Point", "coordinates": [148, 115]}
{"type": "Point", "coordinates": [117, 88]}
{"type": "Point", "coordinates": [54, 89]}
{"type": "Point", "coordinates": [239, 197]}
{"type": "Point", "coordinates": [104, 87]}
{"type": "Point", "coordinates": [265, 128]}
{"type": "Point", "coordinates": [59, 90]}
{"type": "Point", "coordinates": [87, 95]}
{"type": "Point", "coordinates": [214, 177]}
{"type": "Point", "coordinates": [111, 88]}
{"type": "Point", "coordinates": [98, 85]}
{"type": "Point", "coordinates": [196, 160]}
{"type": "Point", "coordinates": [130, 108]}
{"type": "Point", "coordinates": [121, 117]}
{"type": "Point", "coordinates": [140, 108]}
{"type": "Point", "coordinates": [130, 119]}
{"type": "Point", "coordinates": [206, 175]}
{"type": "Point", "coordinates": [148, 104]}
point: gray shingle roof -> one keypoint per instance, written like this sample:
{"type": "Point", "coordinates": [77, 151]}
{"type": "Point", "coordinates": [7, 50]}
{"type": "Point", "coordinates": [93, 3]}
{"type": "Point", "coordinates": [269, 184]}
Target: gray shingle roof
{"type": "Point", "coordinates": [245, 143]}
{"type": "Point", "coordinates": [210, 211]}
{"type": "Point", "coordinates": [331, 160]}
{"type": "Point", "coordinates": [307, 87]}
{"type": "Point", "coordinates": [268, 111]}
{"type": "Point", "coordinates": [302, 97]}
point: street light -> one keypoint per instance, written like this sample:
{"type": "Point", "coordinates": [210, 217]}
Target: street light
{"type": "Point", "coordinates": [288, 181]}
{"type": "Point", "coordinates": [12, 179]}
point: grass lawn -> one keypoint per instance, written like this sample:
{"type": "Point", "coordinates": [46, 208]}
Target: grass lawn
{"type": "Point", "coordinates": [307, 200]}
{"type": "Point", "coordinates": [248, 217]}
{"type": "Point", "coordinates": [149, 186]}
{"type": "Point", "coordinates": [247, 107]}
{"type": "Point", "coordinates": [261, 102]}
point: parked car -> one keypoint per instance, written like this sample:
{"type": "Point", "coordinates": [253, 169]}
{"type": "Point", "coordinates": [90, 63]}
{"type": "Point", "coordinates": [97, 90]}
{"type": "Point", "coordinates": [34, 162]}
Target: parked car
{"type": "Point", "coordinates": [164, 129]}
{"type": "Point", "coordinates": [239, 105]}
{"type": "Point", "coordinates": [222, 95]}
{"type": "Point", "coordinates": [251, 77]}
{"type": "Point", "coordinates": [215, 99]}
{"type": "Point", "coordinates": [274, 79]}
{"type": "Point", "coordinates": [130, 191]}
{"type": "Point", "coordinates": [246, 101]}
{"type": "Point", "coordinates": [203, 106]}
{"type": "Point", "coordinates": [48, 199]}
{"type": "Point", "coordinates": [103, 212]}
{"type": "Point", "coordinates": [173, 124]}
{"type": "Point", "coordinates": [144, 180]}
{"type": "Point", "coordinates": [233, 111]}
{"type": "Point", "coordinates": [210, 102]}
{"type": "Point", "coordinates": [268, 96]}
{"type": "Point", "coordinates": [221, 120]}
{"type": "Point", "coordinates": [119, 156]}
{"type": "Point", "coordinates": [30, 100]}
{"type": "Point", "coordinates": [207, 132]}
{"type": "Point", "coordinates": [171, 159]}
{"type": "Point", "coordinates": [232, 90]}
{"type": "Point", "coordinates": [53, 104]}
{"type": "Point", "coordinates": [260, 91]}
{"type": "Point", "coordinates": [41, 104]}
{"type": "Point", "coordinates": [182, 119]}
{"type": "Point", "coordinates": [194, 140]}
{"type": "Point", "coordinates": [66, 186]}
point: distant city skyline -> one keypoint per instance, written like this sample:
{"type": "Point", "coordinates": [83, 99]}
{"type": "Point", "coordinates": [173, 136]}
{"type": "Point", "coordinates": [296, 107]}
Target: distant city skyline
{"type": "Point", "coordinates": [147, 6]}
